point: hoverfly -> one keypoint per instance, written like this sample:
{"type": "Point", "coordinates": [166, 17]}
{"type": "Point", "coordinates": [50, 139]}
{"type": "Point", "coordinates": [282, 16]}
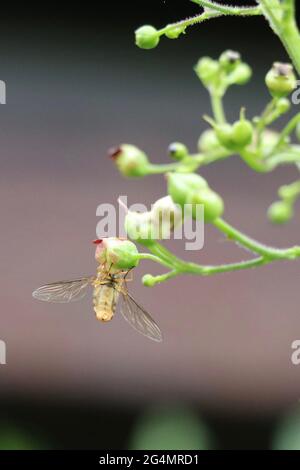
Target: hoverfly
{"type": "Point", "coordinates": [109, 289]}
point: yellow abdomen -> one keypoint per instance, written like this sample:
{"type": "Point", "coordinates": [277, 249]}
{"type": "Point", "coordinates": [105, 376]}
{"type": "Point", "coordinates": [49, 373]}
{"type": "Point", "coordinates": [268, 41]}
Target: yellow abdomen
{"type": "Point", "coordinates": [105, 301]}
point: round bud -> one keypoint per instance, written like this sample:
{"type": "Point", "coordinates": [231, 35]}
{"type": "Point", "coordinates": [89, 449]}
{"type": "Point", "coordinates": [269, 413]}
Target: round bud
{"type": "Point", "coordinates": [130, 160]}
{"type": "Point", "coordinates": [242, 133]}
{"type": "Point", "coordinates": [280, 212]}
{"type": "Point", "coordinates": [236, 136]}
{"type": "Point", "coordinates": [229, 60]}
{"type": "Point", "coordinates": [212, 202]}
{"type": "Point", "coordinates": [208, 141]}
{"type": "Point", "coordinates": [281, 80]}
{"type": "Point", "coordinates": [166, 216]}
{"type": "Point", "coordinates": [117, 254]}
{"type": "Point", "coordinates": [269, 140]}
{"type": "Point", "coordinates": [283, 105]}
{"type": "Point", "coordinates": [174, 32]}
{"type": "Point", "coordinates": [178, 151]}
{"type": "Point", "coordinates": [181, 184]}
{"type": "Point", "coordinates": [139, 226]}
{"type": "Point", "coordinates": [207, 70]}
{"type": "Point", "coordinates": [224, 135]}
{"type": "Point", "coordinates": [146, 37]}
{"type": "Point", "coordinates": [240, 75]}
{"type": "Point", "coordinates": [148, 280]}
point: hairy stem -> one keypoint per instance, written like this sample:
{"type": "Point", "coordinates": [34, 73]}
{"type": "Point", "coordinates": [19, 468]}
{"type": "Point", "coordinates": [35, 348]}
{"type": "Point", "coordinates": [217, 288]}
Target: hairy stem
{"type": "Point", "coordinates": [284, 26]}
{"type": "Point", "coordinates": [229, 10]}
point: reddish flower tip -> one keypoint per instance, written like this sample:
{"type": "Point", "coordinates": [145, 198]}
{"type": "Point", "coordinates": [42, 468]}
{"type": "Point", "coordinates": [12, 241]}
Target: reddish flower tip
{"type": "Point", "coordinates": [114, 152]}
{"type": "Point", "coordinates": [97, 241]}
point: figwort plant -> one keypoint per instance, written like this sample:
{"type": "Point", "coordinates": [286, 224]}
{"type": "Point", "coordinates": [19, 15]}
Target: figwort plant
{"type": "Point", "coordinates": [261, 148]}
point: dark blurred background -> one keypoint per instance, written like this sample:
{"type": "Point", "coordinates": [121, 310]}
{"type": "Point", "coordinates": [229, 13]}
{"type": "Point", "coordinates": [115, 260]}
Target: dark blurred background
{"type": "Point", "coordinates": [223, 377]}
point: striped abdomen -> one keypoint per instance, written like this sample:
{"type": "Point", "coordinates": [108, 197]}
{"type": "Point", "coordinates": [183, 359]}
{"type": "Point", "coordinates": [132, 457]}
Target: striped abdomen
{"type": "Point", "coordinates": [105, 300]}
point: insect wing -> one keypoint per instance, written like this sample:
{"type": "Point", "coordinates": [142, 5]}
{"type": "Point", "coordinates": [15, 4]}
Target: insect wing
{"type": "Point", "coordinates": [139, 319]}
{"type": "Point", "coordinates": [63, 291]}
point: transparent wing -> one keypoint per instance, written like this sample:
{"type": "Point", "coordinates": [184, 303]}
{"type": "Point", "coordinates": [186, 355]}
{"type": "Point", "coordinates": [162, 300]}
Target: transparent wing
{"type": "Point", "coordinates": [63, 291]}
{"type": "Point", "coordinates": [138, 318]}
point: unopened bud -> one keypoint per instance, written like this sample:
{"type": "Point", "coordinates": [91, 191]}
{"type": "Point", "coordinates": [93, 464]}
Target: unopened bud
{"type": "Point", "coordinates": [173, 32]}
{"type": "Point", "coordinates": [130, 160]}
{"type": "Point", "coordinates": [147, 37]}
{"type": "Point", "coordinates": [180, 185]}
{"type": "Point", "coordinates": [212, 202]}
{"type": "Point", "coordinates": [117, 254]}
{"type": "Point", "coordinates": [178, 151]}
{"type": "Point", "coordinates": [281, 80]}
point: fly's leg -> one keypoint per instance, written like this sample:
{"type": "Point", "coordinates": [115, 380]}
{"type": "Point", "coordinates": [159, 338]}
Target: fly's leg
{"type": "Point", "coordinates": [130, 279]}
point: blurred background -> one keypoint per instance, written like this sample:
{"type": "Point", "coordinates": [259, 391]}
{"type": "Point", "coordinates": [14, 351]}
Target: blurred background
{"type": "Point", "coordinates": [223, 377]}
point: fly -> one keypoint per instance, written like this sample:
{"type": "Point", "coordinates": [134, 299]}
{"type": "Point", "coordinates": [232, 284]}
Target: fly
{"type": "Point", "coordinates": [109, 290]}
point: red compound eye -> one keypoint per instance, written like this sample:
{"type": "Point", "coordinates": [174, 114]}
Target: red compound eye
{"type": "Point", "coordinates": [98, 241]}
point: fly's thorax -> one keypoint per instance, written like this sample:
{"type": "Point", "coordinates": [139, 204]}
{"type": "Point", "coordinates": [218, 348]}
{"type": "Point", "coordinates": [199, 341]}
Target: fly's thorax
{"type": "Point", "coordinates": [105, 300]}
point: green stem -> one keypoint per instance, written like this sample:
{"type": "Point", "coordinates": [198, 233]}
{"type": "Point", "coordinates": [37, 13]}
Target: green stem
{"type": "Point", "coordinates": [207, 159]}
{"type": "Point", "coordinates": [253, 161]}
{"type": "Point", "coordinates": [264, 119]}
{"type": "Point", "coordinates": [189, 21]}
{"type": "Point", "coordinates": [217, 107]}
{"type": "Point", "coordinates": [286, 157]}
{"type": "Point", "coordinates": [287, 131]}
{"type": "Point", "coordinates": [266, 254]}
{"type": "Point", "coordinates": [229, 10]}
{"type": "Point", "coordinates": [285, 27]}
{"type": "Point", "coordinates": [156, 259]}
{"type": "Point", "coordinates": [151, 281]}
{"type": "Point", "coordinates": [153, 169]}
{"type": "Point", "coordinates": [289, 8]}
{"type": "Point", "coordinates": [253, 245]}
{"type": "Point", "coordinates": [169, 258]}
{"type": "Point", "coordinates": [242, 265]}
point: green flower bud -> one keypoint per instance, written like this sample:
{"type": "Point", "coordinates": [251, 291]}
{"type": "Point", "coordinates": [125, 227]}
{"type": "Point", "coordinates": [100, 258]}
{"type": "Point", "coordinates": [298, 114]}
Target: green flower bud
{"type": "Point", "coordinates": [174, 32]}
{"type": "Point", "coordinates": [212, 202]}
{"type": "Point", "coordinates": [166, 216]}
{"type": "Point", "coordinates": [242, 132]}
{"type": "Point", "coordinates": [283, 105]}
{"type": "Point", "coordinates": [147, 37]}
{"type": "Point", "coordinates": [148, 280]}
{"type": "Point", "coordinates": [130, 160]}
{"type": "Point", "coordinates": [178, 151]}
{"type": "Point", "coordinates": [208, 141]}
{"type": "Point", "coordinates": [236, 136]}
{"type": "Point", "coordinates": [181, 184]}
{"type": "Point", "coordinates": [281, 80]}
{"type": "Point", "coordinates": [269, 140]}
{"type": "Point", "coordinates": [280, 212]}
{"type": "Point", "coordinates": [240, 75]}
{"type": "Point", "coordinates": [207, 70]}
{"type": "Point", "coordinates": [117, 254]}
{"type": "Point", "coordinates": [229, 60]}
{"type": "Point", "coordinates": [139, 226]}
{"type": "Point", "coordinates": [224, 135]}
{"type": "Point", "coordinates": [157, 224]}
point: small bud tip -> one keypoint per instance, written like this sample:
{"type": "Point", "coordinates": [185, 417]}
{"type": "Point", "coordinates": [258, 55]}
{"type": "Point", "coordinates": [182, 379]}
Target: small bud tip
{"type": "Point", "coordinates": [114, 152]}
{"type": "Point", "coordinates": [98, 241]}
